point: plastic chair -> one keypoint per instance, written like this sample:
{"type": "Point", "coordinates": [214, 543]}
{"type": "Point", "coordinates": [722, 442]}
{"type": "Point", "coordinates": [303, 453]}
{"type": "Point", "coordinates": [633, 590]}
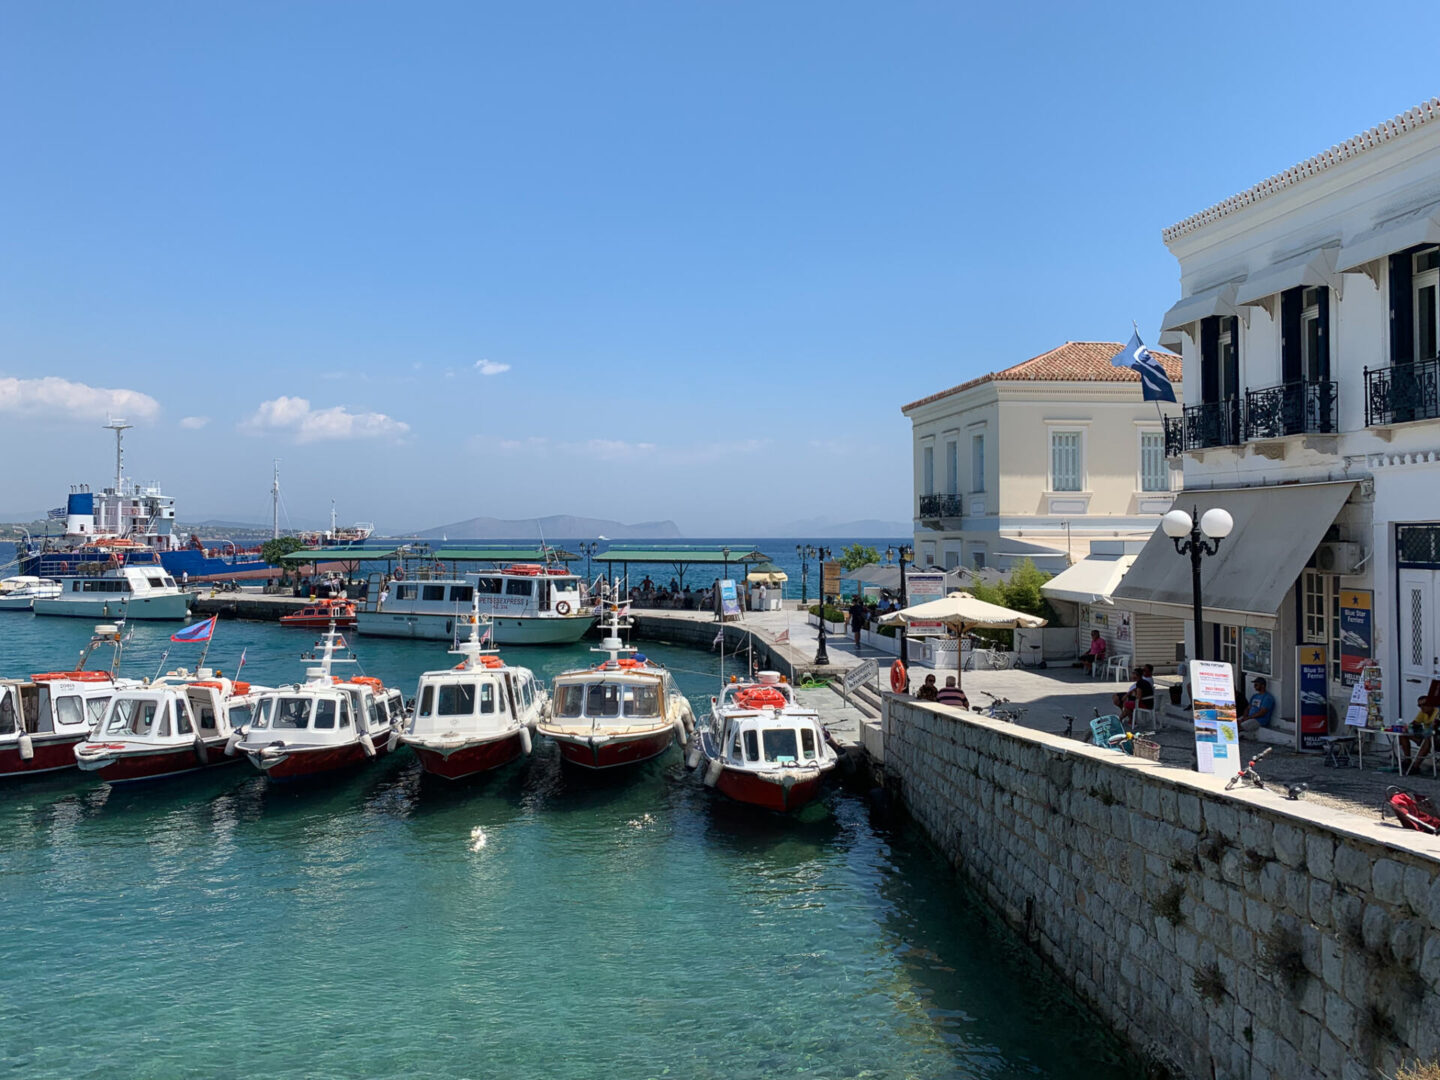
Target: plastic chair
{"type": "Point", "coordinates": [1103, 728]}
{"type": "Point", "coordinates": [1118, 666]}
{"type": "Point", "coordinates": [1144, 719]}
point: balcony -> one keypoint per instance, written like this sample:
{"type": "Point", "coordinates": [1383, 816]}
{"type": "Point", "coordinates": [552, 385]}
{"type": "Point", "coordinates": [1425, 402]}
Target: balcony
{"type": "Point", "coordinates": [939, 507]}
{"type": "Point", "coordinates": [1402, 392]}
{"type": "Point", "coordinates": [1293, 408]}
{"type": "Point", "coordinates": [1201, 427]}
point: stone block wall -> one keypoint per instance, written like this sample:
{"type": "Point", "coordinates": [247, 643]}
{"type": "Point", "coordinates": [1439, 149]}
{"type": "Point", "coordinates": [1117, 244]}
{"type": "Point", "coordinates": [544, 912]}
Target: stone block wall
{"type": "Point", "coordinates": [1224, 934]}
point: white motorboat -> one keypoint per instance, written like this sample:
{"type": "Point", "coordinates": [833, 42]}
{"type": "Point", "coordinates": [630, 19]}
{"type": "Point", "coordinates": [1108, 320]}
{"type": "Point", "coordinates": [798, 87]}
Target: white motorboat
{"type": "Point", "coordinates": [475, 716]}
{"type": "Point", "coordinates": [759, 746]}
{"type": "Point", "coordinates": [20, 593]}
{"type": "Point", "coordinates": [123, 592]}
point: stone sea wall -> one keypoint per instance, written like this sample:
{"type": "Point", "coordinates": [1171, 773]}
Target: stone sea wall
{"type": "Point", "coordinates": [1224, 934]}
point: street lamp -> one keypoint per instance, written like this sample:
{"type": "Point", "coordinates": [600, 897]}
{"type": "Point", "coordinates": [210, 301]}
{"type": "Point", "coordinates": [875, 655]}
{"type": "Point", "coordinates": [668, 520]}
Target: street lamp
{"type": "Point", "coordinates": [822, 655]}
{"type": "Point", "coordinates": [905, 552]}
{"type": "Point", "coordinates": [805, 552]}
{"type": "Point", "coordinates": [1189, 532]}
{"type": "Point", "coordinates": [588, 550]}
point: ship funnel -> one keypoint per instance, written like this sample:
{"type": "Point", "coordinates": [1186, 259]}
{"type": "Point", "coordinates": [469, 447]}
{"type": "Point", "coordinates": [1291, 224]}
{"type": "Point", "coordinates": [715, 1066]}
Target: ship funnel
{"type": "Point", "coordinates": [80, 514]}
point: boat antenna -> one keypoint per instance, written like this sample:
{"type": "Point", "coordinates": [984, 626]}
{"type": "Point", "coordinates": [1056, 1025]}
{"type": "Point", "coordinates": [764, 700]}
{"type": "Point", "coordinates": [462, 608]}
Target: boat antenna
{"type": "Point", "coordinates": [275, 503]}
{"type": "Point", "coordinates": [611, 643]}
{"type": "Point", "coordinates": [119, 427]}
{"type": "Point", "coordinates": [330, 640]}
{"type": "Point", "coordinates": [473, 647]}
{"type": "Point", "coordinates": [112, 634]}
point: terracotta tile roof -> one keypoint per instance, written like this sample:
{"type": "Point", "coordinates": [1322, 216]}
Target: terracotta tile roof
{"type": "Point", "coordinates": [1423, 113]}
{"type": "Point", "coordinates": [1075, 361]}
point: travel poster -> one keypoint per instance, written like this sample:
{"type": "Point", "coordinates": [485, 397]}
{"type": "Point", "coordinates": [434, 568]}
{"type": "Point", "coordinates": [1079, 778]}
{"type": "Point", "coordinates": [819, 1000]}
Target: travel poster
{"type": "Point", "coordinates": [920, 588]}
{"type": "Point", "coordinates": [729, 599]}
{"type": "Point", "coordinates": [1255, 647]}
{"type": "Point", "coordinates": [1357, 629]}
{"type": "Point", "coordinates": [1312, 677]}
{"type": "Point", "coordinates": [1217, 733]}
{"type": "Point", "coordinates": [1358, 711]}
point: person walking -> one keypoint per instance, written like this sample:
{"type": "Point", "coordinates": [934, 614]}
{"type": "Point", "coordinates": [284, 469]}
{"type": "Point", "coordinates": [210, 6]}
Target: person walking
{"type": "Point", "coordinates": [857, 618]}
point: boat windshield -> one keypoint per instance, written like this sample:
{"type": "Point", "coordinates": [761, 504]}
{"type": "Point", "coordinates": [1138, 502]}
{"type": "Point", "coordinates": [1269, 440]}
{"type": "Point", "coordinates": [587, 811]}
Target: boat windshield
{"type": "Point", "coordinates": [607, 700]}
{"type": "Point", "coordinates": [263, 708]}
{"type": "Point", "coordinates": [781, 744]}
{"type": "Point", "coordinates": [132, 717]}
{"type": "Point", "coordinates": [290, 712]}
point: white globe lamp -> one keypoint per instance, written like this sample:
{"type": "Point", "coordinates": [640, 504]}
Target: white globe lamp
{"type": "Point", "coordinates": [1176, 524]}
{"type": "Point", "coordinates": [1217, 523]}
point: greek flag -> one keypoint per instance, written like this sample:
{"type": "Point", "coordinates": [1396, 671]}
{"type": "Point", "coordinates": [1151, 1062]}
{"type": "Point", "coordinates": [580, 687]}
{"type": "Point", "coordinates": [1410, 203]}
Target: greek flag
{"type": "Point", "coordinates": [200, 631]}
{"type": "Point", "coordinates": [1154, 383]}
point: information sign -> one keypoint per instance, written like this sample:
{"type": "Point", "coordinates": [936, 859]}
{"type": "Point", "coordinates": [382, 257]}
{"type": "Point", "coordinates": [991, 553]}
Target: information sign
{"type": "Point", "coordinates": [729, 599]}
{"type": "Point", "coordinates": [922, 586]}
{"type": "Point", "coordinates": [1217, 733]}
{"type": "Point", "coordinates": [1312, 678]}
{"type": "Point", "coordinates": [1357, 631]}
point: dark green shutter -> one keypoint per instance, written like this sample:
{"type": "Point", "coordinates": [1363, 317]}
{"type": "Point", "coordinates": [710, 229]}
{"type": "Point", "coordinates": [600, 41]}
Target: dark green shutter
{"type": "Point", "coordinates": [1291, 346]}
{"type": "Point", "coordinates": [1324, 358]}
{"type": "Point", "coordinates": [1209, 368]}
{"type": "Point", "coordinates": [1232, 364]}
{"type": "Point", "coordinates": [1402, 308]}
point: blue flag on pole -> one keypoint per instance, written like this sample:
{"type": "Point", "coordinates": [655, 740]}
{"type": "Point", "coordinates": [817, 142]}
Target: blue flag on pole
{"type": "Point", "coordinates": [1154, 383]}
{"type": "Point", "coordinates": [200, 631]}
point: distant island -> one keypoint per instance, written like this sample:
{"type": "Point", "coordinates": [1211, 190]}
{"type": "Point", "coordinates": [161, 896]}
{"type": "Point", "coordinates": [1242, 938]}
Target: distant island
{"type": "Point", "coordinates": [556, 527]}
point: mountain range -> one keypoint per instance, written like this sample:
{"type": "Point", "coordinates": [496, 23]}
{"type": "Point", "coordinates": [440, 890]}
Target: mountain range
{"type": "Point", "coordinates": [557, 526]}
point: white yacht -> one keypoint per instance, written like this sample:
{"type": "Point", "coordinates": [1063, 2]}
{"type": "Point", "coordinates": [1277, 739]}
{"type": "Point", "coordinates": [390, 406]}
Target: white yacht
{"type": "Point", "coordinates": [528, 604]}
{"type": "Point", "coordinates": [20, 593]}
{"type": "Point", "coordinates": [125, 592]}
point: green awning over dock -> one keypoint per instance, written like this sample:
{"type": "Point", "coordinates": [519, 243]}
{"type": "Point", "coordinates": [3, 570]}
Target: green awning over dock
{"type": "Point", "coordinates": [713, 555]}
{"type": "Point", "coordinates": [500, 554]}
{"type": "Point", "coordinates": [340, 553]}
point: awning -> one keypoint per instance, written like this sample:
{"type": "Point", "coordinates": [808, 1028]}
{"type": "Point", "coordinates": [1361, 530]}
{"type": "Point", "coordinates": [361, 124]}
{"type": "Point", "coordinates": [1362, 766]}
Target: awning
{"type": "Point", "coordinates": [1090, 580]}
{"type": "Point", "coordinates": [1217, 301]}
{"type": "Point", "coordinates": [1277, 529]}
{"type": "Point", "coordinates": [1418, 226]}
{"type": "Point", "coordinates": [768, 573]}
{"type": "Point", "coordinates": [1315, 267]}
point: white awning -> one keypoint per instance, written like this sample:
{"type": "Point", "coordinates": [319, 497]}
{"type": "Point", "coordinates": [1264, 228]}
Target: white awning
{"type": "Point", "coordinates": [1217, 301]}
{"type": "Point", "coordinates": [1418, 226]}
{"type": "Point", "coordinates": [1090, 580]}
{"type": "Point", "coordinates": [1315, 267]}
{"type": "Point", "coordinates": [1277, 529]}
{"type": "Point", "coordinates": [1172, 339]}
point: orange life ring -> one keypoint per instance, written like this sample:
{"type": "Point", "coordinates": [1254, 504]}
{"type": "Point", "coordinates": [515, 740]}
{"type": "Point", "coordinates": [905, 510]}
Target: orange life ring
{"type": "Point", "coordinates": [72, 676]}
{"type": "Point", "coordinates": [368, 680]}
{"type": "Point", "coordinates": [399, 574]}
{"type": "Point", "coordinates": [760, 697]}
{"type": "Point", "coordinates": [898, 680]}
{"type": "Point", "coordinates": [562, 608]}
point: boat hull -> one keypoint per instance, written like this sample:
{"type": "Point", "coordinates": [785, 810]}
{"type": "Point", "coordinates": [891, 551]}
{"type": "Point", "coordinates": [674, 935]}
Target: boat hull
{"type": "Point", "coordinates": [301, 763]}
{"type": "Point", "coordinates": [548, 630]}
{"type": "Point", "coordinates": [609, 752]}
{"type": "Point", "coordinates": [471, 759]}
{"type": "Point", "coordinates": [130, 766]}
{"type": "Point", "coordinates": [52, 753]}
{"type": "Point", "coordinates": [174, 606]}
{"type": "Point", "coordinates": [753, 789]}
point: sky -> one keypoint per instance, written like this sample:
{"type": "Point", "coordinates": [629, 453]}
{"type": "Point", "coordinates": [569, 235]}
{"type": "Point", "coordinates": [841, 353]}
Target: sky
{"type": "Point", "coordinates": [637, 261]}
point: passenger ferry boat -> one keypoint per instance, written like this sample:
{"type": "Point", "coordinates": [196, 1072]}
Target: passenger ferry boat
{"type": "Point", "coordinates": [623, 711]}
{"type": "Point", "coordinates": [527, 603]}
{"type": "Point", "coordinates": [321, 613]}
{"type": "Point", "coordinates": [20, 593]}
{"type": "Point", "coordinates": [44, 717]}
{"type": "Point", "coordinates": [323, 724]}
{"type": "Point", "coordinates": [179, 724]}
{"type": "Point", "coordinates": [125, 592]}
{"type": "Point", "coordinates": [475, 716]}
{"type": "Point", "coordinates": [762, 748]}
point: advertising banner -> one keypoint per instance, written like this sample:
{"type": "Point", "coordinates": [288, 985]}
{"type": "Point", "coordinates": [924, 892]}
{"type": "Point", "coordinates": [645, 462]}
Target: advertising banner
{"type": "Point", "coordinates": [1217, 734]}
{"type": "Point", "coordinates": [1357, 629]}
{"type": "Point", "coordinates": [1312, 702]}
{"type": "Point", "coordinates": [920, 588]}
{"type": "Point", "coordinates": [830, 579]}
{"type": "Point", "coordinates": [729, 599]}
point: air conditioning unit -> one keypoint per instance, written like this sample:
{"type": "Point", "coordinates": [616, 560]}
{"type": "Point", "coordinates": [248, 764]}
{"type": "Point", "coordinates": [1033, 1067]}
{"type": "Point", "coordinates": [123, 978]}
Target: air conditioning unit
{"type": "Point", "coordinates": [1341, 557]}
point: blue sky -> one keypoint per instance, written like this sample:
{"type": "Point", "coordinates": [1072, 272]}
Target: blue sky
{"type": "Point", "coordinates": [627, 260]}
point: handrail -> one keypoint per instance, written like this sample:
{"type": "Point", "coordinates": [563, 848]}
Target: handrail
{"type": "Point", "coordinates": [1401, 393]}
{"type": "Point", "coordinates": [940, 506]}
{"type": "Point", "coordinates": [1300, 407]}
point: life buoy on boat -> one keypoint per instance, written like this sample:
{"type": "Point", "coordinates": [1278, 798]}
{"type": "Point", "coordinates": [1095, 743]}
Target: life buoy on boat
{"type": "Point", "coordinates": [399, 574]}
{"type": "Point", "coordinates": [760, 697]}
{"type": "Point", "coordinates": [562, 608]}
{"type": "Point", "coordinates": [898, 679]}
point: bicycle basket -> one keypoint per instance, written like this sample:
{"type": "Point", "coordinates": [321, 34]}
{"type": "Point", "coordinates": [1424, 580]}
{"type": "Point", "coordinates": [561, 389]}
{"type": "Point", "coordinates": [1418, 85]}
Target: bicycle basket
{"type": "Point", "coordinates": [1148, 749]}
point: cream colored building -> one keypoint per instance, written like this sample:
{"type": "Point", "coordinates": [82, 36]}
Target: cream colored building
{"type": "Point", "coordinates": [1038, 460]}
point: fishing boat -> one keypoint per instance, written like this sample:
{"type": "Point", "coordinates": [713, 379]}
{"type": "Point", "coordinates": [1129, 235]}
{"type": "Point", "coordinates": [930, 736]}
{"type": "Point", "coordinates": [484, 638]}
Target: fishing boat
{"type": "Point", "coordinates": [622, 711]}
{"type": "Point", "coordinates": [180, 723]}
{"type": "Point", "coordinates": [123, 592]}
{"type": "Point", "coordinates": [323, 724]}
{"type": "Point", "coordinates": [528, 604]}
{"type": "Point", "coordinates": [20, 593]}
{"type": "Point", "coordinates": [44, 717]}
{"type": "Point", "coordinates": [760, 747]}
{"type": "Point", "coordinates": [475, 716]}
{"type": "Point", "coordinates": [321, 613]}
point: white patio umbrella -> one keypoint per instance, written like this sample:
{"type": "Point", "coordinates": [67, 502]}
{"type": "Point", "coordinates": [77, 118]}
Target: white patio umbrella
{"type": "Point", "coordinates": [961, 612]}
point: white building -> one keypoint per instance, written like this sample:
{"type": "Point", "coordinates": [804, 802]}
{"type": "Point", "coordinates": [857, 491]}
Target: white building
{"type": "Point", "coordinates": [1039, 459]}
{"type": "Point", "coordinates": [1308, 321]}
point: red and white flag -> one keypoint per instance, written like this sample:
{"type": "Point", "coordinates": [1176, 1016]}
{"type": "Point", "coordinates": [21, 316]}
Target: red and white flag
{"type": "Point", "coordinates": [784, 635]}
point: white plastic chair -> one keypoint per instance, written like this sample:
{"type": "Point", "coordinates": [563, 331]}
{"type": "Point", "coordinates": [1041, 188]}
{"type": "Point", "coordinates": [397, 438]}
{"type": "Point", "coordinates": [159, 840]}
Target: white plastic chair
{"type": "Point", "coordinates": [1118, 666]}
{"type": "Point", "coordinates": [1143, 720]}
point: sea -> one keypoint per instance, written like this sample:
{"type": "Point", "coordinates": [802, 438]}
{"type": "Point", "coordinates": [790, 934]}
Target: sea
{"type": "Point", "coordinates": [532, 923]}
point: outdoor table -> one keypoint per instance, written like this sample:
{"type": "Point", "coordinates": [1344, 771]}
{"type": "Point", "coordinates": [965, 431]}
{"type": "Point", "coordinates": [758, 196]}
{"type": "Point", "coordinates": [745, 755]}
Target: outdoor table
{"type": "Point", "coordinates": [1392, 741]}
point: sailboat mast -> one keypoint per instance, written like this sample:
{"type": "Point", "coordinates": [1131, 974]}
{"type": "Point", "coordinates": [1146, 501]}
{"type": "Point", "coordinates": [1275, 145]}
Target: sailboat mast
{"type": "Point", "coordinates": [275, 503]}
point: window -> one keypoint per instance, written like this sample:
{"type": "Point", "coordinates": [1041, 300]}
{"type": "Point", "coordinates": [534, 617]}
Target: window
{"type": "Point", "coordinates": [927, 458]}
{"type": "Point", "coordinates": [1311, 340]}
{"type": "Point", "coordinates": [603, 700]}
{"type": "Point", "coordinates": [642, 701]}
{"type": "Point", "coordinates": [207, 719]}
{"type": "Point", "coordinates": [752, 746]}
{"type": "Point", "coordinates": [291, 712]}
{"type": "Point", "coordinates": [406, 592]}
{"type": "Point", "coordinates": [182, 720]}
{"type": "Point", "coordinates": [1320, 623]}
{"type": "Point", "coordinates": [433, 592]}
{"type": "Point", "coordinates": [519, 588]}
{"type": "Point", "coordinates": [7, 715]}
{"type": "Point", "coordinates": [69, 710]}
{"type": "Point", "coordinates": [781, 745]}
{"type": "Point", "coordinates": [952, 468]}
{"type": "Point", "coordinates": [427, 701]}
{"type": "Point", "coordinates": [735, 751]}
{"type": "Point", "coordinates": [239, 716]}
{"type": "Point", "coordinates": [95, 709]}
{"type": "Point", "coordinates": [325, 714]}
{"type": "Point", "coordinates": [155, 582]}
{"type": "Point", "coordinates": [1228, 359]}
{"type": "Point", "coordinates": [807, 743]}
{"type": "Point", "coordinates": [462, 594]}
{"type": "Point", "coordinates": [1427, 303]}
{"type": "Point", "coordinates": [488, 586]}
{"type": "Point", "coordinates": [263, 708]}
{"type": "Point", "coordinates": [487, 698]}
{"type": "Point", "coordinates": [977, 556]}
{"type": "Point", "coordinates": [1065, 470]}
{"type": "Point", "coordinates": [345, 713]}
{"type": "Point", "coordinates": [977, 463]}
{"type": "Point", "coordinates": [1154, 469]}
{"type": "Point", "coordinates": [569, 701]}
{"type": "Point", "coordinates": [456, 699]}
{"type": "Point", "coordinates": [1230, 646]}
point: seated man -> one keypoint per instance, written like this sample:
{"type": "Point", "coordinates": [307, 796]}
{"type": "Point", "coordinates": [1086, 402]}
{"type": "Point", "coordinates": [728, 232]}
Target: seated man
{"type": "Point", "coordinates": [952, 694]}
{"type": "Point", "coordinates": [1140, 695]}
{"type": "Point", "coordinates": [1261, 710]}
{"type": "Point", "coordinates": [1095, 654]}
{"type": "Point", "coordinates": [1416, 746]}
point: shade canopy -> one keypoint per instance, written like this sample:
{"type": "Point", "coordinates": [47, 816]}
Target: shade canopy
{"type": "Point", "coordinates": [340, 553]}
{"type": "Point", "coordinates": [767, 573]}
{"type": "Point", "coordinates": [1406, 230]}
{"type": "Point", "coordinates": [962, 611]}
{"type": "Point", "coordinates": [1316, 267]}
{"type": "Point", "coordinates": [496, 553]}
{"type": "Point", "coordinates": [710, 555]}
{"type": "Point", "coordinates": [1090, 580]}
{"type": "Point", "coordinates": [1201, 305]}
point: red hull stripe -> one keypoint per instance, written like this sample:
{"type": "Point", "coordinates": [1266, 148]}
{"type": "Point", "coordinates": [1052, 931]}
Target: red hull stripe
{"type": "Point", "coordinates": [302, 763]}
{"type": "Point", "coordinates": [615, 752]}
{"type": "Point", "coordinates": [170, 762]}
{"type": "Point", "coordinates": [748, 788]}
{"type": "Point", "coordinates": [471, 759]}
{"type": "Point", "coordinates": [51, 753]}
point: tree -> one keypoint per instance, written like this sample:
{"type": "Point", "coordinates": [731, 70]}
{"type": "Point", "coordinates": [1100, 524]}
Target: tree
{"type": "Point", "coordinates": [858, 555]}
{"type": "Point", "coordinates": [272, 551]}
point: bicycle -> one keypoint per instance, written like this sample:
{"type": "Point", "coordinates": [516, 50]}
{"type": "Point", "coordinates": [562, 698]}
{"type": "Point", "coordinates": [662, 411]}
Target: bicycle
{"type": "Point", "coordinates": [1002, 708]}
{"type": "Point", "coordinates": [1249, 774]}
{"type": "Point", "coordinates": [1127, 741]}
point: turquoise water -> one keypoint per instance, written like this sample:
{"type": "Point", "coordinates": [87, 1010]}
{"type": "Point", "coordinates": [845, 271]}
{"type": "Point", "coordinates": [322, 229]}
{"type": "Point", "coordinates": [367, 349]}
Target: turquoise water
{"type": "Point", "coordinates": [532, 924]}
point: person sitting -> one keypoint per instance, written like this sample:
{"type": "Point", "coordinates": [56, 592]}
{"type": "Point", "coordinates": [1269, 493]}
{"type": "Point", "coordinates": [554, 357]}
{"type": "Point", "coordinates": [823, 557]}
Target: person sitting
{"type": "Point", "coordinates": [1417, 745]}
{"type": "Point", "coordinates": [928, 691]}
{"type": "Point", "coordinates": [1261, 709]}
{"type": "Point", "coordinates": [1095, 654]}
{"type": "Point", "coordinates": [951, 694]}
{"type": "Point", "coordinates": [1140, 695]}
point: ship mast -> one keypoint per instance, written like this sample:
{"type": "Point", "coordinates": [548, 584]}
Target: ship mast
{"type": "Point", "coordinates": [119, 427]}
{"type": "Point", "coordinates": [275, 503]}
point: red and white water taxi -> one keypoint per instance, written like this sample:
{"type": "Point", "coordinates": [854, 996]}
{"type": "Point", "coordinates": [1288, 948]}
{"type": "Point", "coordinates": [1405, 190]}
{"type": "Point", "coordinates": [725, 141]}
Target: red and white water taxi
{"type": "Point", "coordinates": [44, 717]}
{"type": "Point", "coordinates": [180, 723]}
{"type": "Point", "coordinates": [623, 711]}
{"type": "Point", "coordinates": [319, 614]}
{"type": "Point", "coordinates": [762, 748]}
{"type": "Point", "coordinates": [475, 716]}
{"type": "Point", "coordinates": [322, 724]}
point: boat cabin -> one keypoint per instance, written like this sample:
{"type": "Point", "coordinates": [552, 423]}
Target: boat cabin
{"type": "Point", "coordinates": [615, 698]}
{"type": "Point", "coordinates": [452, 697]}
{"type": "Point", "coordinates": [40, 708]}
{"type": "Point", "coordinates": [135, 580]}
{"type": "Point", "coordinates": [175, 712]}
{"type": "Point", "coordinates": [341, 707]}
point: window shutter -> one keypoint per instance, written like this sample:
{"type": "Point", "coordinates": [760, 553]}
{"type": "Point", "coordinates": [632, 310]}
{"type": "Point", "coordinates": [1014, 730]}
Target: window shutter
{"type": "Point", "coordinates": [1290, 345]}
{"type": "Point", "coordinates": [1232, 361]}
{"type": "Point", "coordinates": [1209, 371]}
{"type": "Point", "coordinates": [1402, 308]}
{"type": "Point", "coordinates": [1324, 357]}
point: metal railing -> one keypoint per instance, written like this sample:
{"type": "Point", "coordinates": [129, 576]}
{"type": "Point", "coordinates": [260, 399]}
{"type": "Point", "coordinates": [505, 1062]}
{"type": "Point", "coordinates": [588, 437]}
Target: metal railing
{"type": "Point", "coordinates": [1402, 392]}
{"type": "Point", "coordinates": [1293, 408]}
{"type": "Point", "coordinates": [940, 506]}
{"type": "Point", "coordinates": [1199, 427]}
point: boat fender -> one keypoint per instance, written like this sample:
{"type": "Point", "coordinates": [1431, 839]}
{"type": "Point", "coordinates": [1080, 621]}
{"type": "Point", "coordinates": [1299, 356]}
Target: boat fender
{"type": "Point", "coordinates": [367, 744]}
{"type": "Point", "coordinates": [233, 741]}
{"type": "Point", "coordinates": [692, 759]}
{"type": "Point", "coordinates": [27, 747]}
{"type": "Point", "coordinates": [681, 735]}
{"type": "Point", "coordinates": [202, 752]}
{"type": "Point", "coordinates": [394, 739]}
{"type": "Point", "coordinates": [713, 771]}
{"type": "Point", "coordinates": [525, 741]}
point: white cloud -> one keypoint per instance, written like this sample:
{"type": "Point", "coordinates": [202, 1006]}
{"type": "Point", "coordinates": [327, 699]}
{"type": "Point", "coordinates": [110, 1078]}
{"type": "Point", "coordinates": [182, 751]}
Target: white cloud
{"type": "Point", "coordinates": [490, 367]}
{"type": "Point", "coordinates": [293, 415]}
{"type": "Point", "coordinates": [194, 423]}
{"type": "Point", "coordinates": [58, 398]}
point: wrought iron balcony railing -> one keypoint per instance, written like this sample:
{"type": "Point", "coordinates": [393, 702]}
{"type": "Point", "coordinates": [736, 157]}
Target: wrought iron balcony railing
{"type": "Point", "coordinates": [1199, 427]}
{"type": "Point", "coordinates": [1293, 408]}
{"type": "Point", "coordinates": [939, 506]}
{"type": "Point", "coordinates": [1402, 392]}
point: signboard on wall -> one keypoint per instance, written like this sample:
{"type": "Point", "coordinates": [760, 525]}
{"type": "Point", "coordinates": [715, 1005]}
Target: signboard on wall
{"type": "Point", "coordinates": [1312, 702]}
{"type": "Point", "coordinates": [729, 599]}
{"type": "Point", "coordinates": [830, 579]}
{"type": "Point", "coordinates": [1255, 650]}
{"type": "Point", "coordinates": [1122, 631]}
{"type": "Point", "coordinates": [1357, 632]}
{"type": "Point", "coordinates": [920, 588]}
{"type": "Point", "coordinates": [1217, 733]}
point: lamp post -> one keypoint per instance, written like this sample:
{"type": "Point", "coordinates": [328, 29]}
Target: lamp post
{"type": "Point", "coordinates": [804, 552]}
{"type": "Point", "coordinates": [1188, 531]}
{"type": "Point", "coordinates": [588, 550]}
{"type": "Point", "coordinates": [905, 552]}
{"type": "Point", "coordinates": [822, 654]}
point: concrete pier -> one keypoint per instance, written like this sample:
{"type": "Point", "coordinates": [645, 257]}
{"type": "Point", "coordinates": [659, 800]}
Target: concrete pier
{"type": "Point", "coordinates": [246, 605]}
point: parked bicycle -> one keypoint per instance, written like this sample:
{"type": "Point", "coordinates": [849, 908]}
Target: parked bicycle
{"type": "Point", "coordinates": [1249, 774]}
{"type": "Point", "coordinates": [1002, 708]}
